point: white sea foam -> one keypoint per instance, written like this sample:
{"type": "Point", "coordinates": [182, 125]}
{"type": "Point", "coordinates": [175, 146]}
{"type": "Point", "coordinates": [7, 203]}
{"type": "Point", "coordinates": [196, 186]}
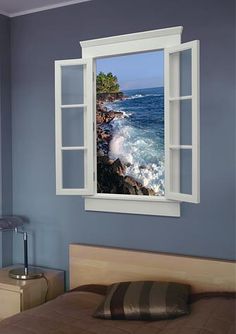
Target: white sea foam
{"type": "Point", "coordinates": [151, 176]}
{"type": "Point", "coordinates": [138, 96]}
{"type": "Point", "coordinates": [126, 114]}
{"type": "Point", "coordinates": [110, 107]}
{"type": "Point", "coordinates": [136, 146]}
{"type": "Point", "coordinates": [137, 152]}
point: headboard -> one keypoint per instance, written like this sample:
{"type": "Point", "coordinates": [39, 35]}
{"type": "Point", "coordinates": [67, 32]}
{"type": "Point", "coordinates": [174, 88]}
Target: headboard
{"type": "Point", "coordinates": [104, 265]}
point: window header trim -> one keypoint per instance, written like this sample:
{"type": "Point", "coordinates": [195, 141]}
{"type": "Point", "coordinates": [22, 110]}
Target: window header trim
{"type": "Point", "coordinates": [131, 43]}
{"type": "Point", "coordinates": [132, 37]}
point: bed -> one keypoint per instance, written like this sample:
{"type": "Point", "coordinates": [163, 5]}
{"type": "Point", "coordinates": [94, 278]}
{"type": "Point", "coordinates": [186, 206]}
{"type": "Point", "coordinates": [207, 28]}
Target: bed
{"type": "Point", "coordinates": [213, 302]}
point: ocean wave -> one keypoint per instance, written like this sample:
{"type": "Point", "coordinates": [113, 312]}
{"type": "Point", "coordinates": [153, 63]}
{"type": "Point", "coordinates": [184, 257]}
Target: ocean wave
{"type": "Point", "coordinates": [140, 154]}
{"type": "Point", "coordinates": [110, 107]}
{"type": "Point", "coordinates": [139, 96]}
{"type": "Point", "coordinates": [136, 96]}
{"type": "Point", "coordinates": [151, 176]}
{"type": "Point", "coordinates": [138, 139]}
{"type": "Point", "coordinates": [126, 114]}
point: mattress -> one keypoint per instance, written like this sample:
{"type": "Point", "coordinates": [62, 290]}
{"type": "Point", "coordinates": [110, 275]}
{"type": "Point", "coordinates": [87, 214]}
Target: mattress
{"type": "Point", "coordinates": [72, 312]}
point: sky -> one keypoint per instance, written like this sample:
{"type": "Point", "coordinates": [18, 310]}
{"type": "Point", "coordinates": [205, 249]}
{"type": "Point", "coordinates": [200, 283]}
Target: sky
{"type": "Point", "coordinates": [135, 71]}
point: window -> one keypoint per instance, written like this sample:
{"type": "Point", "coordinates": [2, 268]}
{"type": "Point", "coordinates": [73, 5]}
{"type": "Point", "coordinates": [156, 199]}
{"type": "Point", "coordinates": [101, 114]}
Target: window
{"type": "Point", "coordinates": [142, 157]}
{"type": "Point", "coordinates": [130, 124]}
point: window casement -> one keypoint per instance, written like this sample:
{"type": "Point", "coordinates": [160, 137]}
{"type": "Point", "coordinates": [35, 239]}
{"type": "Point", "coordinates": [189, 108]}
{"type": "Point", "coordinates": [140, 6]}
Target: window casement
{"type": "Point", "coordinates": [75, 102]}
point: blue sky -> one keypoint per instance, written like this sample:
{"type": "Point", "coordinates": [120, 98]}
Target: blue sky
{"type": "Point", "coordinates": [142, 70]}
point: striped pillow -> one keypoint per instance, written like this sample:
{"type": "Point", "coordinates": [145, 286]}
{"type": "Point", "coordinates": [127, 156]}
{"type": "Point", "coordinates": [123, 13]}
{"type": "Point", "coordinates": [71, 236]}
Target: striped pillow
{"type": "Point", "coordinates": [144, 300]}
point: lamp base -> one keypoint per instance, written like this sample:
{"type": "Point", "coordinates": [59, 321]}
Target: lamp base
{"type": "Point", "coordinates": [19, 273]}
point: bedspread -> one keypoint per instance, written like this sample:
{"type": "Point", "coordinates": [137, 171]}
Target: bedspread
{"type": "Point", "coordinates": [72, 312]}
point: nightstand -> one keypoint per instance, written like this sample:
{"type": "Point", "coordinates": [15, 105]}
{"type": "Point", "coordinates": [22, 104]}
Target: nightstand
{"type": "Point", "coordinates": [19, 295]}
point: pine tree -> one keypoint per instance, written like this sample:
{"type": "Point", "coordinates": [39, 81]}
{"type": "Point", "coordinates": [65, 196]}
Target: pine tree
{"type": "Point", "coordinates": [107, 83]}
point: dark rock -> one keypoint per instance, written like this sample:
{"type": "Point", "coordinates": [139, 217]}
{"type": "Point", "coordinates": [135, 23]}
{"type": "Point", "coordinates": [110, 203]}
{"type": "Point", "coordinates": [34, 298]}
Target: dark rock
{"type": "Point", "coordinates": [144, 191]}
{"type": "Point", "coordinates": [142, 167]}
{"type": "Point", "coordinates": [111, 173]}
{"type": "Point", "coordinates": [107, 116]}
{"type": "Point", "coordinates": [118, 167]}
{"type": "Point", "coordinates": [133, 182]}
{"type": "Point", "coordinates": [109, 97]}
{"type": "Point", "coordinates": [147, 191]}
{"type": "Point", "coordinates": [128, 189]}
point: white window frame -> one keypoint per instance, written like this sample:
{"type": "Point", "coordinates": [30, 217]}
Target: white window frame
{"type": "Point", "coordinates": [194, 148]}
{"type": "Point", "coordinates": [162, 39]}
{"type": "Point", "coordinates": [119, 45]}
{"type": "Point", "coordinates": [87, 109]}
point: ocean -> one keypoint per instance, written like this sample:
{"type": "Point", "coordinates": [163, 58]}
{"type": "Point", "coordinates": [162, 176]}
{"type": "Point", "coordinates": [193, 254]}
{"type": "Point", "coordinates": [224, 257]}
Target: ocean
{"type": "Point", "coordinates": [138, 138]}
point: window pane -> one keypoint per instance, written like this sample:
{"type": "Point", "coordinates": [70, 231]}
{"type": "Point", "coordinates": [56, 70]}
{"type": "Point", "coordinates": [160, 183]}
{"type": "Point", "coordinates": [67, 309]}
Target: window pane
{"type": "Point", "coordinates": [181, 73]}
{"type": "Point", "coordinates": [73, 127]}
{"type": "Point", "coordinates": [72, 84]}
{"type": "Point", "coordinates": [186, 171]}
{"type": "Point", "coordinates": [181, 168]}
{"type": "Point", "coordinates": [73, 169]}
{"type": "Point", "coordinates": [130, 124]}
{"type": "Point", "coordinates": [181, 121]}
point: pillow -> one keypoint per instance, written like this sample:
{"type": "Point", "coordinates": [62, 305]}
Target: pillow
{"type": "Point", "coordinates": [144, 300]}
{"type": "Point", "coordinates": [99, 289]}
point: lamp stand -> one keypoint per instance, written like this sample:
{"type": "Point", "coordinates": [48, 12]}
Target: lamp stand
{"type": "Point", "coordinates": [26, 272]}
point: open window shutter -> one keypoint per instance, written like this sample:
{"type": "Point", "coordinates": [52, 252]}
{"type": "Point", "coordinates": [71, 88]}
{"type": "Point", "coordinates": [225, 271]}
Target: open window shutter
{"type": "Point", "coordinates": [182, 123]}
{"type": "Point", "coordinates": [74, 127]}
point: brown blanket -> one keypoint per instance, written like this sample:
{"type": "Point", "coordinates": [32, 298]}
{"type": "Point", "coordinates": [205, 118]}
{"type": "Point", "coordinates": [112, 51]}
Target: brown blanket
{"type": "Point", "coordinates": [71, 314]}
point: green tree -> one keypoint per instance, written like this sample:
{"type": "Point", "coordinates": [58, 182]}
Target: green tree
{"type": "Point", "coordinates": [107, 83]}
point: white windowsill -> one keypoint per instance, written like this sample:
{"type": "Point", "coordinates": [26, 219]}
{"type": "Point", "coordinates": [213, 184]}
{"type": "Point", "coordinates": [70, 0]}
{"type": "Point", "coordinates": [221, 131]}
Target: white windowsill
{"type": "Point", "coordinates": [145, 205]}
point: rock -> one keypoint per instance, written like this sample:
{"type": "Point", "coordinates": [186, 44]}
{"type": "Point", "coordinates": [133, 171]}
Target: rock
{"type": "Point", "coordinates": [118, 167]}
{"type": "Point", "coordinates": [107, 116]}
{"type": "Point", "coordinates": [147, 191]}
{"type": "Point", "coordinates": [109, 97]}
{"type": "Point", "coordinates": [142, 167]}
{"type": "Point", "coordinates": [133, 182]}
{"type": "Point", "coordinates": [111, 179]}
{"type": "Point", "coordinates": [139, 192]}
{"type": "Point", "coordinates": [128, 189]}
{"type": "Point", "coordinates": [111, 176]}
{"type": "Point", "coordinates": [144, 191]}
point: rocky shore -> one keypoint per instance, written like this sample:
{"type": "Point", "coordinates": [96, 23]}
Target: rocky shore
{"type": "Point", "coordinates": [111, 174]}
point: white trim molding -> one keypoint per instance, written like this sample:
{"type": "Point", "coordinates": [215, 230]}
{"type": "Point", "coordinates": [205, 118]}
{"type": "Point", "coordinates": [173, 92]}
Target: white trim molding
{"type": "Point", "coordinates": [2, 12]}
{"type": "Point", "coordinates": [131, 43]}
{"type": "Point", "coordinates": [127, 204]}
{"type": "Point", "coordinates": [43, 8]}
{"type": "Point", "coordinates": [132, 37]}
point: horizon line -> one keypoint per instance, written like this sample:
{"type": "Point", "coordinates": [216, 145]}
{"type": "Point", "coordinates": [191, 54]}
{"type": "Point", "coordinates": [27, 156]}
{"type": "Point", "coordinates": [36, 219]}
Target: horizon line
{"type": "Point", "coordinates": [142, 88]}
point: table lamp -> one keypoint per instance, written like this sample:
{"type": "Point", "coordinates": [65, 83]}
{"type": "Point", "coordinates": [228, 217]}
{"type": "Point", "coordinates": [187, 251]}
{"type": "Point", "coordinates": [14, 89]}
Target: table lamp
{"type": "Point", "coordinates": [13, 223]}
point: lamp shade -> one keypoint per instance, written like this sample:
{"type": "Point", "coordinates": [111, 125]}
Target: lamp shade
{"type": "Point", "coordinates": [10, 222]}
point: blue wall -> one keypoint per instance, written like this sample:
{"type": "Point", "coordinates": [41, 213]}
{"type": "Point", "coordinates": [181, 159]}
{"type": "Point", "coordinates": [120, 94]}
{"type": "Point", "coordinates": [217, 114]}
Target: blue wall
{"type": "Point", "coordinates": [5, 138]}
{"type": "Point", "coordinates": [37, 40]}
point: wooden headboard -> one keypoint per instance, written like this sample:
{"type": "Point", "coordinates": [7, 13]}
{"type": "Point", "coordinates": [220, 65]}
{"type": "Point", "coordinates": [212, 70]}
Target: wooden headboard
{"type": "Point", "coordinates": [103, 265]}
